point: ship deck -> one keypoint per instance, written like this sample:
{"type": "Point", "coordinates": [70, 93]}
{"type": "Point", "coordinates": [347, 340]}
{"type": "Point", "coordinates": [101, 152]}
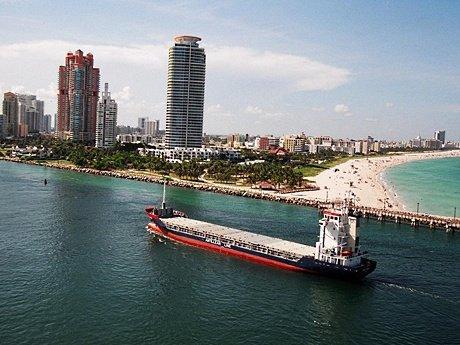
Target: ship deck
{"type": "Point", "coordinates": [223, 232]}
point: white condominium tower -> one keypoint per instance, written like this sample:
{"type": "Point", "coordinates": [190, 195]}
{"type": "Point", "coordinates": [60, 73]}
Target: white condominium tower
{"type": "Point", "coordinates": [106, 121]}
{"type": "Point", "coordinates": [185, 97]}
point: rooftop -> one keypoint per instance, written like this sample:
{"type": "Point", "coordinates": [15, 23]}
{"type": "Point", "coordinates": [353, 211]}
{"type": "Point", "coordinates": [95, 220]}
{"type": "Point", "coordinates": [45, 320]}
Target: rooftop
{"type": "Point", "coordinates": [186, 39]}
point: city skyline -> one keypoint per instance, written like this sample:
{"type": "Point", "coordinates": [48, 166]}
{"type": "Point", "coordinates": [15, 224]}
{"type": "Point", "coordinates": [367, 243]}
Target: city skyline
{"type": "Point", "coordinates": [266, 73]}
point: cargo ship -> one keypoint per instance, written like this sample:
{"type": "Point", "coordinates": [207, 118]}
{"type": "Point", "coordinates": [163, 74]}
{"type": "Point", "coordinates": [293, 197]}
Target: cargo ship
{"type": "Point", "coordinates": [337, 252]}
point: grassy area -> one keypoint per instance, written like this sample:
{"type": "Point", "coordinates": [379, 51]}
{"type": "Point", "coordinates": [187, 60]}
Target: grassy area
{"type": "Point", "coordinates": [310, 170]}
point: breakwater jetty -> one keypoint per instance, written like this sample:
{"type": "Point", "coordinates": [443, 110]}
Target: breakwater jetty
{"type": "Point", "coordinates": [415, 219]}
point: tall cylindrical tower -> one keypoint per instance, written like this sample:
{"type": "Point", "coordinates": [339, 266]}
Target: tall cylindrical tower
{"type": "Point", "coordinates": [185, 96]}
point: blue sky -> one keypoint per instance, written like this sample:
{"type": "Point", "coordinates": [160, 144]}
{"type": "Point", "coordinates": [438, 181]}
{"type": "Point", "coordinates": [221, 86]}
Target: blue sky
{"type": "Point", "coordinates": [342, 68]}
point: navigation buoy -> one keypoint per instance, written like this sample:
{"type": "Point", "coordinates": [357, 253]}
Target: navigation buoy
{"type": "Point", "coordinates": [45, 182]}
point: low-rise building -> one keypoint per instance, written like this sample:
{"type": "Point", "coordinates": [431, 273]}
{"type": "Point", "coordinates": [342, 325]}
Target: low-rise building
{"type": "Point", "coordinates": [180, 154]}
{"type": "Point", "coordinates": [294, 143]}
{"type": "Point", "coordinates": [31, 151]}
{"type": "Point", "coordinates": [139, 139]}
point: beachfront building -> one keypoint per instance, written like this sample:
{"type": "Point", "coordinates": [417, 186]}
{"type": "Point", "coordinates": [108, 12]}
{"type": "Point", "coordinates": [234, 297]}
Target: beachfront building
{"type": "Point", "coordinates": [441, 136]}
{"type": "Point", "coordinates": [185, 94]}
{"type": "Point", "coordinates": [77, 98]}
{"type": "Point", "coordinates": [431, 144]}
{"type": "Point", "coordinates": [10, 110]}
{"type": "Point", "coordinates": [180, 154]}
{"type": "Point", "coordinates": [139, 139]}
{"type": "Point", "coordinates": [106, 120]}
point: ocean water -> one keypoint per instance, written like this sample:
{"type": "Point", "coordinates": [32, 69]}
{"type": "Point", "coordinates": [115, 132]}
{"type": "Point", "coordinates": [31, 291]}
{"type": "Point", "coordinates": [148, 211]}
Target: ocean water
{"type": "Point", "coordinates": [78, 267]}
{"type": "Point", "coordinates": [434, 184]}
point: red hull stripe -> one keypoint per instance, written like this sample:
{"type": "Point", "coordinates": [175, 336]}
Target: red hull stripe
{"type": "Point", "coordinates": [228, 251]}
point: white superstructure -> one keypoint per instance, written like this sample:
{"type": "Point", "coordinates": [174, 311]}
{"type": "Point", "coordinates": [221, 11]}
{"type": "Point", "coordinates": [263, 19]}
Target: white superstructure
{"type": "Point", "coordinates": [338, 239]}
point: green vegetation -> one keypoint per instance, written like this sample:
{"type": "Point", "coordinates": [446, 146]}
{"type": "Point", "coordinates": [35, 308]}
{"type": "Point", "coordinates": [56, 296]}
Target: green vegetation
{"type": "Point", "coordinates": [318, 165]}
{"type": "Point", "coordinates": [274, 172]}
{"type": "Point", "coordinates": [281, 171]}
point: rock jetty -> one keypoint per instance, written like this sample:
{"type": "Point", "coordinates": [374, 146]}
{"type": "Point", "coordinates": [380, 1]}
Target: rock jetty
{"type": "Point", "coordinates": [415, 219]}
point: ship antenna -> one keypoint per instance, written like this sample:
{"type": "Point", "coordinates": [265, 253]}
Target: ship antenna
{"type": "Point", "coordinates": [163, 205]}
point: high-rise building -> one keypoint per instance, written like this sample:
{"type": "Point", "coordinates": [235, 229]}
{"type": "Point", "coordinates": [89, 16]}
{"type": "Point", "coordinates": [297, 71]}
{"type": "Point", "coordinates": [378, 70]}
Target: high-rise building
{"type": "Point", "coordinates": [106, 120]}
{"type": "Point", "coordinates": [185, 96]}
{"type": "Point", "coordinates": [46, 124]}
{"type": "Point", "coordinates": [30, 114]}
{"type": "Point", "coordinates": [77, 98]}
{"type": "Point", "coordinates": [2, 128]}
{"type": "Point", "coordinates": [441, 136]}
{"type": "Point", "coordinates": [10, 110]}
{"type": "Point", "coordinates": [152, 127]}
{"type": "Point", "coordinates": [141, 121]}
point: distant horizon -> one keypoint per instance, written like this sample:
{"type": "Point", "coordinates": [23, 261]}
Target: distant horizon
{"type": "Point", "coordinates": [344, 70]}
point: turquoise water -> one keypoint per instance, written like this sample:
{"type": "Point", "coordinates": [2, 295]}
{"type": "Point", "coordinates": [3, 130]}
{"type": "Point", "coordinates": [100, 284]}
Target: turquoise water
{"type": "Point", "coordinates": [434, 184]}
{"type": "Point", "coordinates": [78, 267]}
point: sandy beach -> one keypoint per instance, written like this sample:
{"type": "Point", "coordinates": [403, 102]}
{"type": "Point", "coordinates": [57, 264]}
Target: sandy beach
{"type": "Point", "coordinates": [363, 177]}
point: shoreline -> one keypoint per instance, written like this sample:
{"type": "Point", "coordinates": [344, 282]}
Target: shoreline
{"type": "Point", "coordinates": [360, 209]}
{"type": "Point", "coordinates": [365, 177]}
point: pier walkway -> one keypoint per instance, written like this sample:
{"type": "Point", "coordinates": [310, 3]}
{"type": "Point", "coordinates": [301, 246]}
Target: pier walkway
{"type": "Point", "coordinates": [413, 218]}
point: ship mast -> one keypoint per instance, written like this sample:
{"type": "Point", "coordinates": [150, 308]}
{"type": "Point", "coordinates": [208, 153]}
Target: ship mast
{"type": "Point", "coordinates": [163, 204]}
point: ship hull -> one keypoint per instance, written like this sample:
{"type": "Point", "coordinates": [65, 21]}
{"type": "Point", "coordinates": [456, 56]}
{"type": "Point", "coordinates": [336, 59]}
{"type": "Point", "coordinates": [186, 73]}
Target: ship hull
{"type": "Point", "coordinates": [306, 264]}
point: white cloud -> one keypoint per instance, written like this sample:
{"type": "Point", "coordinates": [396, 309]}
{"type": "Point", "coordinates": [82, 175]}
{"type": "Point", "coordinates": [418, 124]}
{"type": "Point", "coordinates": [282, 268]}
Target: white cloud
{"type": "Point", "coordinates": [318, 109]}
{"type": "Point", "coordinates": [299, 72]}
{"type": "Point", "coordinates": [150, 55]}
{"type": "Point", "coordinates": [341, 108]}
{"type": "Point", "coordinates": [253, 110]}
{"type": "Point", "coordinates": [124, 95]}
{"type": "Point", "coordinates": [389, 105]}
{"type": "Point", "coordinates": [18, 89]}
{"type": "Point", "coordinates": [261, 113]}
{"type": "Point", "coordinates": [47, 94]}
{"type": "Point", "coordinates": [144, 69]}
{"type": "Point", "coordinates": [217, 111]}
